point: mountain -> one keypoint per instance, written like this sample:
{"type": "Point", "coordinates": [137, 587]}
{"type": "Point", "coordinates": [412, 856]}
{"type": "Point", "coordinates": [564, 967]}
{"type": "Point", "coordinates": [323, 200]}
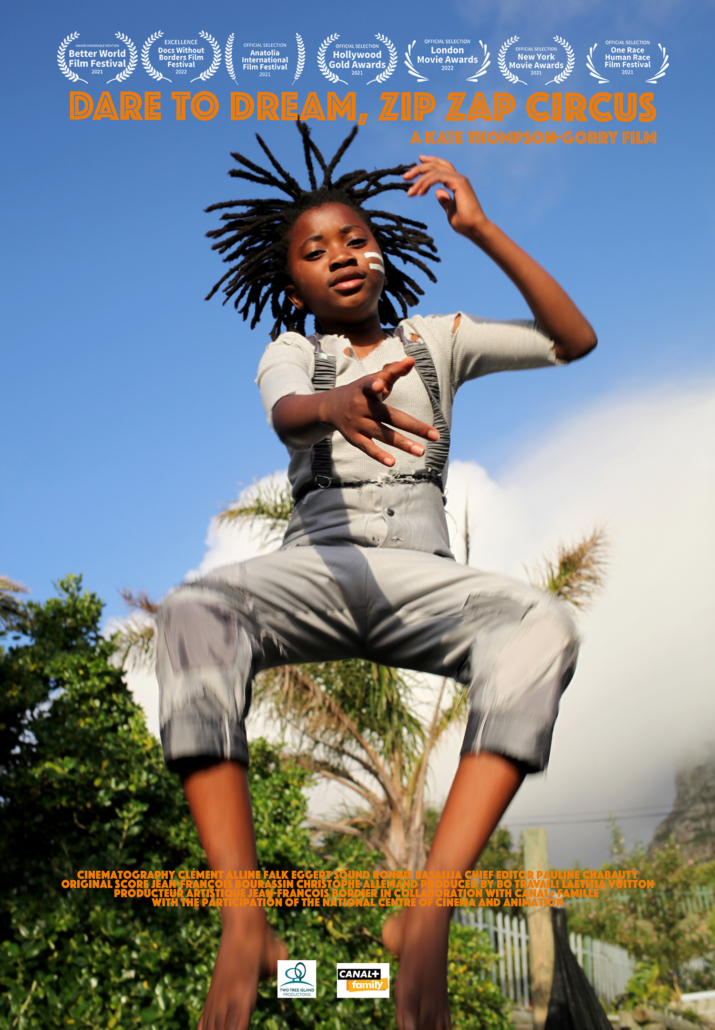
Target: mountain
{"type": "Point", "coordinates": [692, 820]}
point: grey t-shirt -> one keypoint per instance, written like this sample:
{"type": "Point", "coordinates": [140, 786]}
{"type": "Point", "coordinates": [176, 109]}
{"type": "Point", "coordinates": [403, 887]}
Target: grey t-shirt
{"type": "Point", "coordinates": [478, 346]}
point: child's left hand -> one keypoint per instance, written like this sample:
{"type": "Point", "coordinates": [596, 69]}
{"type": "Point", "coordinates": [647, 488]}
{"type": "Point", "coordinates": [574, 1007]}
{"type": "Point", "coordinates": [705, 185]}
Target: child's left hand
{"type": "Point", "coordinates": [463, 209]}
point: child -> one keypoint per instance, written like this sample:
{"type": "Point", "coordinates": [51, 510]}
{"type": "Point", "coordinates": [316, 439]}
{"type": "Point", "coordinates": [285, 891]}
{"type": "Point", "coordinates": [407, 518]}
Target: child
{"type": "Point", "coordinates": [365, 569]}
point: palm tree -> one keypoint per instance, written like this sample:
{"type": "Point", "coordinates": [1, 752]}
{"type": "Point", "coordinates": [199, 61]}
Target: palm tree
{"type": "Point", "coordinates": [136, 640]}
{"type": "Point", "coordinates": [354, 723]}
{"type": "Point", "coordinates": [12, 610]}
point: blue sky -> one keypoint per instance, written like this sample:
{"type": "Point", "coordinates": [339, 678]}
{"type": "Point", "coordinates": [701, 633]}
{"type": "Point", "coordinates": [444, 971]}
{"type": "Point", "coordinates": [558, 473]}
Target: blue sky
{"type": "Point", "coordinates": [129, 404]}
{"type": "Point", "coordinates": [130, 409]}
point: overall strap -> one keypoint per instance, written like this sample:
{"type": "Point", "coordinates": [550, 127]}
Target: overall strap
{"type": "Point", "coordinates": [323, 379]}
{"type": "Point", "coordinates": [437, 451]}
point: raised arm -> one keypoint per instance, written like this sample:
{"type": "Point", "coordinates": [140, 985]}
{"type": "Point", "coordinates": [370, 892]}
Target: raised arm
{"type": "Point", "coordinates": [552, 307]}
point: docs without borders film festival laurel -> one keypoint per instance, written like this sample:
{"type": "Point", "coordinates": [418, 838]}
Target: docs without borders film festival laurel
{"type": "Point", "coordinates": [358, 888]}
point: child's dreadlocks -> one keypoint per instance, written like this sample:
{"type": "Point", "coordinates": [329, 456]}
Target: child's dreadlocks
{"type": "Point", "coordinates": [257, 239]}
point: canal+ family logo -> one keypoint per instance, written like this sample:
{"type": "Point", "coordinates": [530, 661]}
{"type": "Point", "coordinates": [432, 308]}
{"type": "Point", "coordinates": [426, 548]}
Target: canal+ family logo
{"type": "Point", "coordinates": [363, 979]}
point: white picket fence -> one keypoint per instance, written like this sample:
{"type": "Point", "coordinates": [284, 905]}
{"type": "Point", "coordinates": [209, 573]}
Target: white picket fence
{"type": "Point", "coordinates": [509, 938]}
{"type": "Point", "coordinates": [607, 967]}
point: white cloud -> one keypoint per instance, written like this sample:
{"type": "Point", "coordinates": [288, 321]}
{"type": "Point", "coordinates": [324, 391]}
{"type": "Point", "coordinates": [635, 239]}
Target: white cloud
{"type": "Point", "coordinates": [239, 541]}
{"type": "Point", "coordinates": [643, 695]}
{"type": "Point", "coordinates": [642, 465]}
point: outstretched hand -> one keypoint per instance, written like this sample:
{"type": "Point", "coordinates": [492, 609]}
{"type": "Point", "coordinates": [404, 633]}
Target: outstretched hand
{"type": "Point", "coordinates": [358, 411]}
{"type": "Point", "coordinates": [463, 210]}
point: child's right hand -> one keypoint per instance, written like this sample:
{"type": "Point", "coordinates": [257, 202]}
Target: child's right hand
{"type": "Point", "coordinates": [358, 411]}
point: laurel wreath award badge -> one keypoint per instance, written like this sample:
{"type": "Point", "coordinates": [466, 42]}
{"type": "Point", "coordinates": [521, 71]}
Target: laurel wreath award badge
{"type": "Point", "coordinates": [268, 50]}
{"type": "Point", "coordinates": [357, 58]}
{"type": "Point", "coordinates": [447, 59]}
{"type": "Point", "coordinates": [626, 57]}
{"type": "Point", "coordinates": [97, 57]}
{"type": "Point", "coordinates": [534, 60]}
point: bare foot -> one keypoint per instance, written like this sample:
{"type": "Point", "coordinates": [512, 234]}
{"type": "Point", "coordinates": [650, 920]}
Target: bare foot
{"type": "Point", "coordinates": [248, 952]}
{"type": "Point", "coordinates": [420, 937]}
{"type": "Point", "coordinates": [392, 930]}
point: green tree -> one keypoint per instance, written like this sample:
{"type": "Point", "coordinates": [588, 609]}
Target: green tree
{"type": "Point", "coordinates": [656, 925]}
{"type": "Point", "coordinates": [83, 786]}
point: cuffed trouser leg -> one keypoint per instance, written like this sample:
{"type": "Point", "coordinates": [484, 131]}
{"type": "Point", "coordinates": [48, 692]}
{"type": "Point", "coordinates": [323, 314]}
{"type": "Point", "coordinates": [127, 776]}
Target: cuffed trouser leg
{"type": "Point", "coordinates": [204, 667]}
{"type": "Point", "coordinates": [516, 683]}
{"type": "Point", "coordinates": [215, 633]}
{"type": "Point", "coordinates": [515, 647]}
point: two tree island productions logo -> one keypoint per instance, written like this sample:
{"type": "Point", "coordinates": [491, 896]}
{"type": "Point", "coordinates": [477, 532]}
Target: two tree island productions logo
{"type": "Point", "coordinates": [297, 979]}
{"type": "Point", "coordinates": [363, 979]}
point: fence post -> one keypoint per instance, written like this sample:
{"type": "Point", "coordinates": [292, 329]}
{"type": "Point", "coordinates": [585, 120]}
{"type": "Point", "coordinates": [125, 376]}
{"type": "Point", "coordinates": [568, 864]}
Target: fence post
{"type": "Point", "coordinates": [541, 933]}
{"type": "Point", "coordinates": [524, 960]}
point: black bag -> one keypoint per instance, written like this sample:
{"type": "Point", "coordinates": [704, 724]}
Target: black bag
{"type": "Point", "coordinates": [573, 1004]}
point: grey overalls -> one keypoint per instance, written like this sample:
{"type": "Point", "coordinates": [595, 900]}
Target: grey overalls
{"type": "Point", "coordinates": [365, 570]}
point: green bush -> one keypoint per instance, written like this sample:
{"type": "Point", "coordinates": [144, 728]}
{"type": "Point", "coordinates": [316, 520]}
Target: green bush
{"type": "Point", "coordinates": [646, 987]}
{"type": "Point", "coordinates": [83, 786]}
{"type": "Point", "coordinates": [654, 924]}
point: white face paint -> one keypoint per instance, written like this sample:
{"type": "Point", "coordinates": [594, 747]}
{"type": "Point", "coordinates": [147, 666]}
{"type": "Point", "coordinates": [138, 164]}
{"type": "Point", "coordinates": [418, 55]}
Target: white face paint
{"type": "Point", "coordinates": [375, 264]}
